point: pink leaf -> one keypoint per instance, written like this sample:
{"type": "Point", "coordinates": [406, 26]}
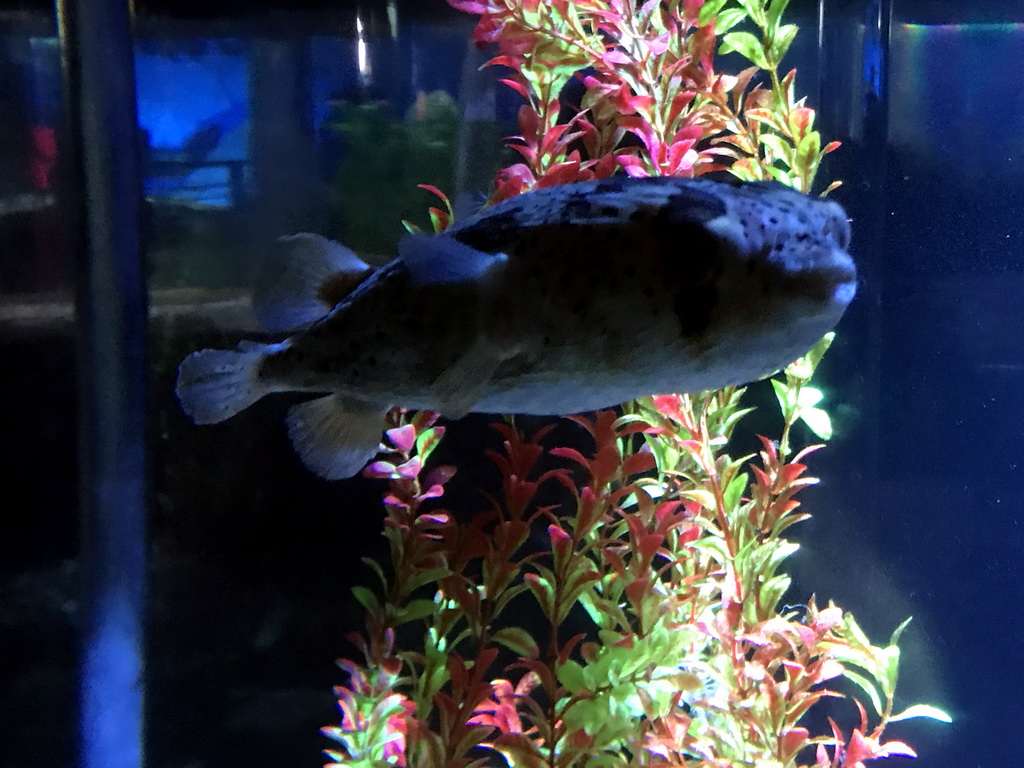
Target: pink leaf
{"type": "Point", "coordinates": [403, 438]}
{"type": "Point", "coordinates": [379, 469]}
{"type": "Point", "coordinates": [470, 6]}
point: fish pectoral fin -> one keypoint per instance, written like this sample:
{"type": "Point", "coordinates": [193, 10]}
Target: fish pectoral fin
{"type": "Point", "coordinates": [460, 387]}
{"type": "Point", "coordinates": [302, 279]}
{"type": "Point", "coordinates": [335, 436]}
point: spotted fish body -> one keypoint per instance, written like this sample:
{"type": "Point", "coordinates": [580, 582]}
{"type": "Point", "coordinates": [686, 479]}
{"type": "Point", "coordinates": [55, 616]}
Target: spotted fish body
{"type": "Point", "coordinates": [558, 301]}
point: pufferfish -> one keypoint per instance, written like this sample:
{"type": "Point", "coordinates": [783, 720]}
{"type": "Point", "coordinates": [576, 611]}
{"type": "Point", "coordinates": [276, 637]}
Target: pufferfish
{"type": "Point", "coordinates": [559, 301]}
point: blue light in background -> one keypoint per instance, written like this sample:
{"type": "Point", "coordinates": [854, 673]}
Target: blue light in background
{"type": "Point", "coordinates": [194, 108]}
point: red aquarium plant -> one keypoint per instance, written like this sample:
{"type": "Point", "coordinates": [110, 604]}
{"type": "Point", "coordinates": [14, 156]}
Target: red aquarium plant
{"type": "Point", "coordinates": [665, 548]}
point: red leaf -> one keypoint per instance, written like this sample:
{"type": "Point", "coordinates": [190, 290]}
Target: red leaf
{"type": "Point", "coordinates": [560, 540]}
{"type": "Point", "coordinates": [637, 463]}
{"type": "Point", "coordinates": [516, 86]}
{"type": "Point", "coordinates": [572, 454]}
{"type": "Point", "coordinates": [560, 173]}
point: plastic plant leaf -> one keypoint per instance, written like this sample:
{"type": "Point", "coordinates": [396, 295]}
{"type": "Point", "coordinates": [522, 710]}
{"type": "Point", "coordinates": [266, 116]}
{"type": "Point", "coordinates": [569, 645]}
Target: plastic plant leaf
{"type": "Point", "coordinates": [862, 682]}
{"type": "Point", "coordinates": [782, 39]}
{"type": "Point", "coordinates": [366, 598]}
{"type": "Point", "coordinates": [710, 12]}
{"type": "Point", "coordinates": [518, 641]}
{"type": "Point", "coordinates": [922, 710]}
{"type": "Point", "coordinates": [415, 609]}
{"type": "Point", "coordinates": [775, 11]}
{"type": "Point", "coordinates": [746, 45]}
{"type": "Point", "coordinates": [728, 19]}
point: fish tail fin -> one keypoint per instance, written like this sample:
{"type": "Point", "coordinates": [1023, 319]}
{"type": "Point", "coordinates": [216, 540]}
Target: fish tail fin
{"type": "Point", "coordinates": [335, 436]}
{"type": "Point", "coordinates": [215, 384]}
{"type": "Point", "coordinates": [302, 279]}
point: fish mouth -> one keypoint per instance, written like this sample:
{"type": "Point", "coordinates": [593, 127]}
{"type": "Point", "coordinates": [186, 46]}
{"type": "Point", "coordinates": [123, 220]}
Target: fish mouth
{"type": "Point", "coordinates": [833, 282]}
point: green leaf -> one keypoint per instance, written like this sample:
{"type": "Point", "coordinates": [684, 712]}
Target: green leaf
{"type": "Point", "coordinates": [366, 598]}
{"type": "Point", "coordinates": [734, 492]}
{"type": "Point", "coordinates": [415, 609]}
{"type": "Point", "coordinates": [728, 19]}
{"type": "Point", "coordinates": [419, 578]}
{"type": "Point", "coordinates": [376, 568]}
{"type": "Point", "coordinates": [775, 10]}
{"type": "Point", "coordinates": [808, 149]}
{"type": "Point", "coordinates": [780, 148]}
{"type": "Point", "coordinates": [889, 663]}
{"type": "Point", "coordinates": [746, 45]}
{"type": "Point", "coordinates": [894, 639]}
{"type": "Point", "coordinates": [755, 10]}
{"type": "Point", "coordinates": [818, 421]}
{"type": "Point", "coordinates": [517, 640]}
{"type": "Point", "coordinates": [818, 350]}
{"type": "Point", "coordinates": [427, 441]}
{"type": "Point", "coordinates": [710, 10]}
{"type": "Point", "coordinates": [773, 590]}
{"type": "Point", "coordinates": [922, 710]}
{"type": "Point", "coordinates": [571, 675]}
{"type": "Point", "coordinates": [781, 176]}
{"type": "Point", "coordinates": [866, 685]}
{"type": "Point", "coordinates": [786, 396]}
{"type": "Point", "coordinates": [809, 397]}
{"type": "Point", "coordinates": [781, 40]}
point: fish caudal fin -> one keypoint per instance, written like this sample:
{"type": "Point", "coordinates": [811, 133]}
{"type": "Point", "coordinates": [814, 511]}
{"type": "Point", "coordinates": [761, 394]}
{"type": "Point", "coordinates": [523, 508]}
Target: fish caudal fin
{"type": "Point", "coordinates": [215, 384]}
{"type": "Point", "coordinates": [334, 436]}
{"type": "Point", "coordinates": [302, 280]}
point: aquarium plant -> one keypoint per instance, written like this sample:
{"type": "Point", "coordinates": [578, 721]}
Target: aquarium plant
{"type": "Point", "coordinates": [664, 547]}
{"type": "Point", "coordinates": [382, 160]}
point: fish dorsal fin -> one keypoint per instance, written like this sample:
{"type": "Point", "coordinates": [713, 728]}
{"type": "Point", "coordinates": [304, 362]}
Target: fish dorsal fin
{"type": "Point", "coordinates": [303, 279]}
{"type": "Point", "coordinates": [437, 259]}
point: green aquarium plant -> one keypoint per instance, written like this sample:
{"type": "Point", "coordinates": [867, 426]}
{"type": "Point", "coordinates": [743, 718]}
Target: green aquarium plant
{"type": "Point", "coordinates": [662, 545]}
{"type": "Point", "coordinates": [384, 158]}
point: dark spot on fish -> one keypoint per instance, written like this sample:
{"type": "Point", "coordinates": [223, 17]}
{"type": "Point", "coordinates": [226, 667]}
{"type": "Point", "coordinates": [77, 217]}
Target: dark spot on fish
{"type": "Point", "coordinates": [612, 184]}
{"type": "Point", "coordinates": [649, 291]}
{"type": "Point", "coordinates": [492, 233]}
{"type": "Point", "coordinates": [802, 237]}
{"type": "Point", "coordinates": [693, 309]}
{"type": "Point", "coordinates": [546, 341]}
{"type": "Point", "coordinates": [371, 360]}
{"type": "Point", "coordinates": [577, 208]}
{"type": "Point", "coordinates": [339, 285]}
{"type": "Point", "coordinates": [629, 270]}
{"type": "Point", "coordinates": [692, 206]}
